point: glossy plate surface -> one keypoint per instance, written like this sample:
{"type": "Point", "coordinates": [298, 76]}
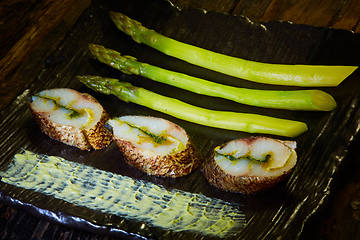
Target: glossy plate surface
{"type": "Point", "coordinates": [281, 211]}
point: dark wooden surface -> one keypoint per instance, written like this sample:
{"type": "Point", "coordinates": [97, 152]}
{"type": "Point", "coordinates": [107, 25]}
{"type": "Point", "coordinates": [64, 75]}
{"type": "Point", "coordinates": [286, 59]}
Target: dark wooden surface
{"type": "Point", "coordinates": [24, 24]}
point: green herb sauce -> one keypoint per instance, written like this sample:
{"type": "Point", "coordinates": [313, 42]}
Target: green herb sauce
{"type": "Point", "coordinates": [248, 157]}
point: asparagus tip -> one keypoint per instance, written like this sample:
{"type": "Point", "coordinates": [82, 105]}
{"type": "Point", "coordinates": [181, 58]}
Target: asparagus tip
{"type": "Point", "coordinates": [127, 25]}
{"type": "Point", "coordinates": [92, 48]}
{"type": "Point", "coordinates": [93, 45]}
{"type": "Point", "coordinates": [96, 83]}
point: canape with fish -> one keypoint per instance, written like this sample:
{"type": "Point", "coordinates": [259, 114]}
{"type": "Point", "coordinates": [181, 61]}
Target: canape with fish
{"type": "Point", "coordinates": [155, 145]}
{"type": "Point", "coordinates": [250, 165]}
{"type": "Point", "coordinates": [74, 118]}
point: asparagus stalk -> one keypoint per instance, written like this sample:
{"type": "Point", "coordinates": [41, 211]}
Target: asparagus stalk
{"type": "Point", "coordinates": [252, 123]}
{"type": "Point", "coordinates": [279, 74]}
{"type": "Point", "coordinates": [314, 100]}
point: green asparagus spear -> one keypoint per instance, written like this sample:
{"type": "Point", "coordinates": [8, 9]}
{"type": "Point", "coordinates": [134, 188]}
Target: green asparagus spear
{"type": "Point", "coordinates": [315, 100]}
{"type": "Point", "coordinates": [279, 74]}
{"type": "Point", "coordinates": [252, 123]}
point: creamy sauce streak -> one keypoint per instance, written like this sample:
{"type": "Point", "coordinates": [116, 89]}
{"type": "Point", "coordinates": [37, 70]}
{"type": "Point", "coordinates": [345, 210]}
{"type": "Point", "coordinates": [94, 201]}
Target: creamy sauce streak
{"type": "Point", "coordinates": [123, 196]}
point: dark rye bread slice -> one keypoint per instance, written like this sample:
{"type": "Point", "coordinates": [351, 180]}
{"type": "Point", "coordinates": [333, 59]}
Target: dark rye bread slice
{"type": "Point", "coordinates": [91, 136]}
{"type": "Point", "coordinates": [170, 163]}
{"type": "Point", "coordinates": [244, 183]}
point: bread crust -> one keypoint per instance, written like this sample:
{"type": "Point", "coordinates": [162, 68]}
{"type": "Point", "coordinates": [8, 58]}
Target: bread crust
{"type": "Point", "coordinates": [172, 165]}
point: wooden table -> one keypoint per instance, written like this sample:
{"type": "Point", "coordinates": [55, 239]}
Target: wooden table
{"type": "Point", "coordinates": [24, 24]}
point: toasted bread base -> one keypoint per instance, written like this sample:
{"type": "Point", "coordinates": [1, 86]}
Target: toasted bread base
{"type": "Point", "coordinates": [240, 184]}
{"type": "Point", "coordinates": [97, 137]}
{"type": "Point", "coordinates": [172, 165]}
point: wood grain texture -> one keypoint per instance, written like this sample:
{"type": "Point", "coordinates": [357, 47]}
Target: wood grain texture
{"type": "Point", "coordinates": [44, 16]}
{"type": "Point", "coordinates": [225, 6]}
{"type": "Point", "coordinates": [348, 17]}
{"type": "Point", "coordinates": [254, 10]}
{"type": "Point", "coordinates": [341, 14]}
{"type": "Point", "coordinates": [24, 30]}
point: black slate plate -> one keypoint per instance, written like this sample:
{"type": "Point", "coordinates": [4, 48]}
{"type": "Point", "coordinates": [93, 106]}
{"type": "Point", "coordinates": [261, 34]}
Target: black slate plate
{"type": "Point", "coordinates": [281, 211]}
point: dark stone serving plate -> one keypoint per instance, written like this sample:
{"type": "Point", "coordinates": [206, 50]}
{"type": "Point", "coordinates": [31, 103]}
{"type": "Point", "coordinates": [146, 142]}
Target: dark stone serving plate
{"type": "Point", "coordinates": [279, 212]}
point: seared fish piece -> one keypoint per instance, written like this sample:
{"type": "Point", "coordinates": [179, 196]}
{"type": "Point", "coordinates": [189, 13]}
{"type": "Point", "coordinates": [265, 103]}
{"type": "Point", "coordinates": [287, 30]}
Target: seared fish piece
{"type": "Point", "coordinates": [155, 145]}
{"type": "Point", "coordinates": [70, 117]}
{"type": "Point", "coordinates": [250, 165]}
